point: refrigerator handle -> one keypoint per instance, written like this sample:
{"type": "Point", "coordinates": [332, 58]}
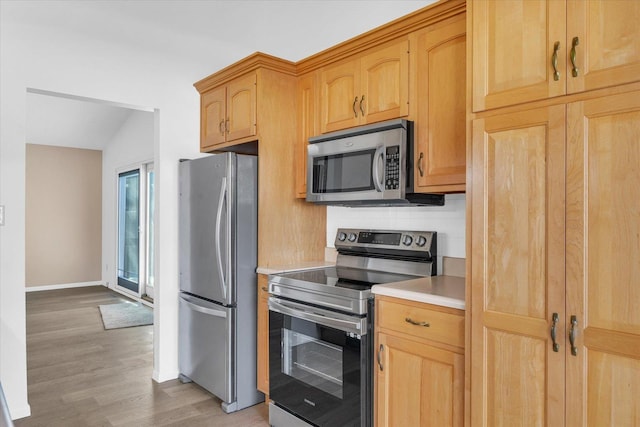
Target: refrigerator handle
{"type": "Point", "coordinates": [221, 201]}
{"type": "Point", "coordinates": [201, 309]}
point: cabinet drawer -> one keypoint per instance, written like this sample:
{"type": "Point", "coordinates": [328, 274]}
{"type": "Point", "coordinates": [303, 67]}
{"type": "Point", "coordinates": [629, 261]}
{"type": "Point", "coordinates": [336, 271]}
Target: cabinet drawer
{"type": "Point", "coordinates": [447, 328]}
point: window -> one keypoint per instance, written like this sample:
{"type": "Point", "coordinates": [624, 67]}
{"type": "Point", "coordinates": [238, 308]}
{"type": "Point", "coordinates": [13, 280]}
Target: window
{"type": "Point", "coordinates": [136, 212]}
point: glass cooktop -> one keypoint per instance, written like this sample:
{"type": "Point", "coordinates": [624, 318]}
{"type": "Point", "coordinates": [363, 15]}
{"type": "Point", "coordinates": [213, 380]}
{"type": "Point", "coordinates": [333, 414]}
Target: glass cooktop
{"type": "Point", "coordinates": [346, 277]}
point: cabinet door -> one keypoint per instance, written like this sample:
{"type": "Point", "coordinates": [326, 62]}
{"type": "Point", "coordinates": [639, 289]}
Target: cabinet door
{"type": "Point", "coordinates": [608, 43]}
{"type": "Point", "coordinates": [307, 119]}
{"type": "Point", "coordinates": [418, 385]}
{"type": "Point", "coordinates": [384, 93]}
{"type": "Point", "coordinates": [263, 335]}
{"type": "Point", "coordinates": [212, 118]}
{"type": "Point", "coordinates": [518, 268]}
{"type": "Point", "coordinates": [603, 259]}
{"type": "Point", "coordinates": [513, 44]}
{"type": "Point", "coordinates": [340, 96]}
{"type": "Point", "coordinates": [241, 107]}
{"type": "Point", "coordinates": [440, 149]}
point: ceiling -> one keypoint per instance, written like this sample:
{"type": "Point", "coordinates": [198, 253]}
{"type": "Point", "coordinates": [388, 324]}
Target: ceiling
{"type": "Point", "coordinates": [64, 121]}
{"type": "Point", "coordinates": [184, 29]}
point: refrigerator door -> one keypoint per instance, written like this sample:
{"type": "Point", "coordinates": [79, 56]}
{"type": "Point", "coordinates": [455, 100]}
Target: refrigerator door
{"type": "Point", "coordinates": [207, 224]}
{"type": "Point", "coordinates": [206, 344]}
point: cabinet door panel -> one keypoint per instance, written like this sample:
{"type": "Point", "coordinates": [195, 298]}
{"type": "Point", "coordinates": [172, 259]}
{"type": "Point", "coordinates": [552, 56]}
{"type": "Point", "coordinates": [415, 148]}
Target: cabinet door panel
{"type": "Point", "coordinates": [603, 252]}
{"type": "Point", "coordinates": [513, 42]}
{"type": "Point", "coordinates": [213, 115]}
{"type": "Point", "coordinates": [518, 268]}
{"type": "Point", "coordinates": [385, 83]}
{"type": "Point", "coordinates": [339, 88]}
{"type": "Point", "coordinates": [614, 384]}
{"type": "Point", "coordinates": [241, 107]}
{"type": "Point", "coordinates": [608, 52]}
{"type": "Point", "coordinates": [516, 388]}
{"type": "Point", "coordinates": [440, 158]}
{"type": "Point", "coordinates": [419, 385]}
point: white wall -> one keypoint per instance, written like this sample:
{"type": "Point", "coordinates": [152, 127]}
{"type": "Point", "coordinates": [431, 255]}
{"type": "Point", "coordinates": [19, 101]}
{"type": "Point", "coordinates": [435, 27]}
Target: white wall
{"type": "Point", "coordinates": [41, 55]}
{"type": "Point", "coordinates": [65, 63]}
{"type": "Point", "coordinates": [448, 221]}
{"type": "Point", "coordinates": [131, 146]}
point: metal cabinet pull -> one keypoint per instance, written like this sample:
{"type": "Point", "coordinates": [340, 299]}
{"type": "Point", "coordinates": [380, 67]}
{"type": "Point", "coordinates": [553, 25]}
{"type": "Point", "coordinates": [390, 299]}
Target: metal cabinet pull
{"type": "Point", "coordinates": [355, 113]}
{"type": "Point", "coordinates": [554, 322]}
{"type": "Point", "coordinates": [575, 42]}
{"type": "Point", "coordinates": [420, 166]}
{"type": "Point", "coordinates": [265, 289]}
{"type": "Point", "coordinates": [226, 125]}
{"type": "Point", "coordinates": [554, 61]}
{"type": "Point", "coordinates": [572, 335]}
{"type": "Point", "coordinates": [221, 127]}
{"type": "Point", "coordinates": [361, 106]}
{"type": "Point", "coordinates": [380, 357]}
{"type": "Point", "coordinates": [417, 323]}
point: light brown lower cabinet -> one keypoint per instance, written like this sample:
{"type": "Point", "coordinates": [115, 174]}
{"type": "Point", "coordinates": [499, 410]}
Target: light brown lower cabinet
{"type": "Point", "coordinates": [419, 369]}
{"type": "Point", "coordinates": [263, 335]}
{"type": "Point", "coordinates": [555, 325]}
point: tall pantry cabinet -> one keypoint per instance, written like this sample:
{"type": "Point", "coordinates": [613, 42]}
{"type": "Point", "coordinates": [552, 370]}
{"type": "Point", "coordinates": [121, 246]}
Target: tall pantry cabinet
{"type": "Point", "coordinates": [555, 224]}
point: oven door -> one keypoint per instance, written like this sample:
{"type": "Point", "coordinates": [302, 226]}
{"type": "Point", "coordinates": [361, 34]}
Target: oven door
{"type": "Point", "coordinates": [320, 364]}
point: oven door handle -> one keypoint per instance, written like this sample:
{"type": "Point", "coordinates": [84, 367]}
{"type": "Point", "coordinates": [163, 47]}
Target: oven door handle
{"type": "Point", "coordinates": [327, 318]}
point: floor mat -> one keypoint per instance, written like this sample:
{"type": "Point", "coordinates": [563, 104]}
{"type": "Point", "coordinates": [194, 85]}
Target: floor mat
{"type": "Point", "coordinates": [125, 315]}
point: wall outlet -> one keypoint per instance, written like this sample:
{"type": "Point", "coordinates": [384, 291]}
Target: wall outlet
{"type": "Point", "coordinates": [1, 215]}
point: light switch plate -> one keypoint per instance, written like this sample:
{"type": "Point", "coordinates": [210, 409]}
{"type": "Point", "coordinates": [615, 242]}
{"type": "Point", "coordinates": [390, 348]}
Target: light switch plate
{"type": "Point", "coordinates": [1, 215]}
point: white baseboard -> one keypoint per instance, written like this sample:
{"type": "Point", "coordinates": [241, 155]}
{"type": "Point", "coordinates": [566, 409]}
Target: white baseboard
{"type": "Point", "coordinates": [164, 376]}
{"type": "Point", "coordinates": [22, 412]}
{"type": "Point", "coordinates": [62, 286]}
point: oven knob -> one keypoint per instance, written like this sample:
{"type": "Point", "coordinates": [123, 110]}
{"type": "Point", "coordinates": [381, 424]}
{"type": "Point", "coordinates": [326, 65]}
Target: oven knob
{"type": "Point", "coordinates": [342, 236]}
{"type": "Point", "coordinates": [407, 240]}
{"type": "Point", "coordinates": [352, 237]}
{"type": "Point", "coordinates": [421, 241]}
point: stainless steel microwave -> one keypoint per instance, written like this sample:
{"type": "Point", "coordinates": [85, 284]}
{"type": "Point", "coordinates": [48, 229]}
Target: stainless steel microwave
{"type": "Point", "coordinates": [368, 165]}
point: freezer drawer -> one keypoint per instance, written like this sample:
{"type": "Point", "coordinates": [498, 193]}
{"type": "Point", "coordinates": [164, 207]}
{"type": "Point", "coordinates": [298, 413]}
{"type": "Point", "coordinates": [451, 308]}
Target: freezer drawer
{"type": "Point", "coordinates": [206, 345]}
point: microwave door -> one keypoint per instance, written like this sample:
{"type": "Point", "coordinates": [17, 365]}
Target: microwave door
{"type": "Point", "coordinates": [334, 176]}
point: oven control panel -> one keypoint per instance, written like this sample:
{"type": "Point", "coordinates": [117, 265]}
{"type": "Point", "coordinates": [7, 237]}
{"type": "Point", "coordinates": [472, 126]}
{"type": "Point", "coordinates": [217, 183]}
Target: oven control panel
{"type": "Point", "coordinates": [423, 241]}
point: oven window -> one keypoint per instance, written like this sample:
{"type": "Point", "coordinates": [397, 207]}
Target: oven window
{"type": "Point", "coordinates": [341, 173]}
{"type": "Point", "coordinates": [314, 362]}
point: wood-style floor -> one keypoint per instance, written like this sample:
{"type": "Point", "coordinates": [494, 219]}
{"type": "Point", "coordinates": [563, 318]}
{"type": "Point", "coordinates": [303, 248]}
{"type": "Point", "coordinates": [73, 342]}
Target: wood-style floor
{"type": "Point", "coordinates": [82, 375]}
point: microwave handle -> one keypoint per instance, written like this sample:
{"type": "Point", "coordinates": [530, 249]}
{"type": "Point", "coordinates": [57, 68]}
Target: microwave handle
{"type": "Point", "coordinates": [379, 154]}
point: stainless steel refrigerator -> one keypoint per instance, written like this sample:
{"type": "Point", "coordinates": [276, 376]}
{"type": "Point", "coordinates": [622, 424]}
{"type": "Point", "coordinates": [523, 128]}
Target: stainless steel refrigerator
{"type": "Point", "coordinates": [218, 289]}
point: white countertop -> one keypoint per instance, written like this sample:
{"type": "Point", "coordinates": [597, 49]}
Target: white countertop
{"type": "Point", "coordinates": [446, 291]}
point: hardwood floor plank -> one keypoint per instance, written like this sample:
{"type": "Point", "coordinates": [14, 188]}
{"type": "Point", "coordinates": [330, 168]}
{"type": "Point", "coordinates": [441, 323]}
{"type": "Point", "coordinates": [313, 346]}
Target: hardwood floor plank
{"type": "Point", "coordinates": [80, 374]}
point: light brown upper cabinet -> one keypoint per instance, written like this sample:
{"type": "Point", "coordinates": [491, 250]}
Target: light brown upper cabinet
{"type": "Point", "coordinates": [440, 134]}
{"type": "Point", "coordinates": [228, 113]}
{"type": "Point", "coordinates": [369, 88]}
{"type": "Point", "coordinates": [307, 127]}
{"type": "Point", "coordinates": [526, 50]}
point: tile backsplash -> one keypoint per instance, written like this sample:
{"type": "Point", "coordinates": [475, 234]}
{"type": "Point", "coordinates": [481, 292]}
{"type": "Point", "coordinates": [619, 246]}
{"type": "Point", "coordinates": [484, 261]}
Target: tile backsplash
{"type": "Point", "coordinates": [448, 221]}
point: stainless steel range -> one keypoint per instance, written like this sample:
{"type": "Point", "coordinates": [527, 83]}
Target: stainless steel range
{"type": "Point", "coordinates": [320, 327]}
